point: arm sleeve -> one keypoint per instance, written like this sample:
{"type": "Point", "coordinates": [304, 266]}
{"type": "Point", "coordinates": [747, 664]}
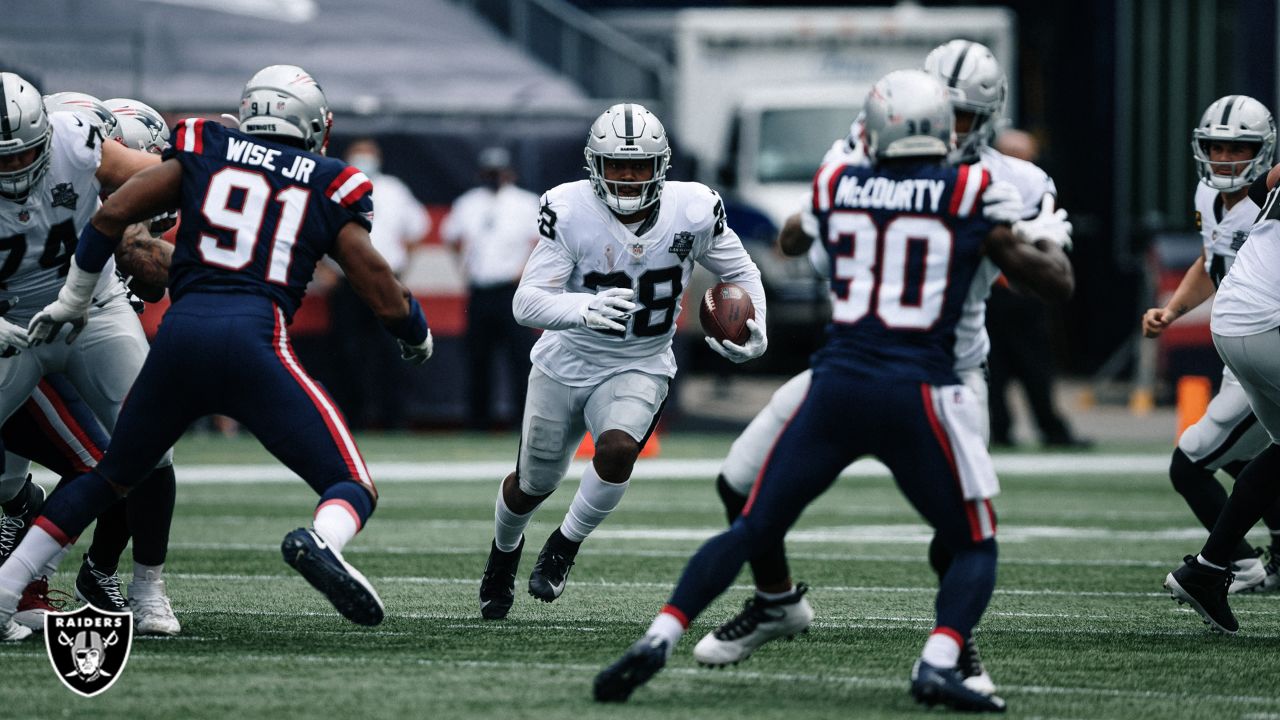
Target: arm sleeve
{"type": "Point", "coordinates": [541, 300]}
{"type": "Point", "coordinates": [730, 262]}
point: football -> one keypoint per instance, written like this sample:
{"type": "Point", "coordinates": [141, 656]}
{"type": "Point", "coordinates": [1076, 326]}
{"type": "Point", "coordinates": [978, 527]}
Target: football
{"type": "Point", "coordinates": [726, 308]}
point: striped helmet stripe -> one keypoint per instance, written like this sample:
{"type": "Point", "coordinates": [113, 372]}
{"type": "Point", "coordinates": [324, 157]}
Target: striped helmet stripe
{"type": "Point", "coordinates": [1228, 105]}
{"type": "Point", "coordinates": [955, 72]}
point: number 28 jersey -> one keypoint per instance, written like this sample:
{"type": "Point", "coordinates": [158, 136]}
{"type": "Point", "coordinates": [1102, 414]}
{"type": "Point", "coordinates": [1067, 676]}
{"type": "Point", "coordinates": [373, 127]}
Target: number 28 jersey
{"type": "Point", "coordinates": [904, 243]}
{"type": "Point", "coordinates": [258, 215]}
{"type": "Point", "coordinates": [584, 249]}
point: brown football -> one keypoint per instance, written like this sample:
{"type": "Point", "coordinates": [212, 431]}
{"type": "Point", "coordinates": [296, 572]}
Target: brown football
{"type": "Point", "coordinates": [725, 310]}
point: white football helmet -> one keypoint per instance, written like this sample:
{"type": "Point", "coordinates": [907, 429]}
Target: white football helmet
{"type": "Point", "coordinates": [627, 131]}
{"type": "Point", "coordinates": [976, 84]}
{"type": "Point", "coordinates": [284, 100]}
{"type": "Point", "coordinates": [24, 126]}
{"type": "Point", "coordinates": [141, 127]}
{"type": "Point", "coordinates": [908, 114]}
{"type": "Point", "coordinates": [1234, 118]}
{"type": "Point", "coordinates": [86, 106]}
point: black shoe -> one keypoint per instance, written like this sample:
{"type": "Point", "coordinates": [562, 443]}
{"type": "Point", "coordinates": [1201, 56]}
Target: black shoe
{"type": "Point", "coordinates": [323, 567]}
{"type": "Point", "coordinates": [16, 521]}
{"type": "Point", "coordinates": [99, 589]}
{"type": "Point", "coordinates": [498, 584]}
{"type": "Point", "coordinates": [551, 571]}
{"type": "Point", "coordinates": [642, 661]}
{"type": "Point", "coordinates": [972, 670]}
{"type": "Point", "coordinates": [1205, 590]}
{"type": "Point", "coordinates": [933, 685]}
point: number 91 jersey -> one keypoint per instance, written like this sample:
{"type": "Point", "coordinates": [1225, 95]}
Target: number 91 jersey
{"type": "Point", "coordinates": [904, 243]}
{"type": "Point", "coordinates": [257, 215]}
{"type": "Point", "coordinates": [584, 249]}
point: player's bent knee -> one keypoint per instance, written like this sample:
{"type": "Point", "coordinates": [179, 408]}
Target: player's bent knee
{"type": "Point", "coordinates": [615, 455]}
{"type": "Point", "coordinates": [1184, 473]}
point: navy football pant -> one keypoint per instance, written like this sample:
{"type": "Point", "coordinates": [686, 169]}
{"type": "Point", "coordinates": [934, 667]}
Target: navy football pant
{"type": "Point", "coordinates": [841, 420]}
{"type": "Point", "coordinates": [223, 354]}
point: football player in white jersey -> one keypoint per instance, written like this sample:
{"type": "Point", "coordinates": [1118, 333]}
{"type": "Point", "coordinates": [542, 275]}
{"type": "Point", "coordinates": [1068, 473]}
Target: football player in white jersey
{"type": "Point", "coordinates": [53, 167]}
{"type": "Point", "coordinates": [978, 88]}
{"type": "Point", "coordinates": [1234, 145]}
{"type": "Point", "coordinates": [606, 281]}
{"type": "Point", "coordinates": [1244, 323]}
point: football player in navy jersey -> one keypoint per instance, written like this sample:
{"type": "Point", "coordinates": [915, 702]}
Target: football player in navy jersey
{"type": "Point", "coordinates": [905, 237]}
{"type": "Point", "coordinates": [263, 205]}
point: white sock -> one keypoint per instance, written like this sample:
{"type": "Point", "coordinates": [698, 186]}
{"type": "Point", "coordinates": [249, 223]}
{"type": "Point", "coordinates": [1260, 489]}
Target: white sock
{"type": "Point", "coordinates": [27, 559]}
{"type": "Point", "coordinates": [508, 526]}
{"type": "Point", "coordinates": [669, 628]}
{"type": "Point", "coordinates": [1200, 559]}
{"type": "Point", "coordinates": [593, 502]}
{"type": "Point", "coordinates": [147, 573]}
{"type": "Point", "coordinates": [775, 596]}
{"type": "Point", "coordinates": [941, 650]}
{"type": "Point", "coordinates": [51, 566]}
{"type": "Point", "coordinates": [335, 523]}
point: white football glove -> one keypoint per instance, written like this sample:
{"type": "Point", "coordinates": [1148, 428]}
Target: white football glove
{"type": "Point", "coordinates": [607, 307]}
{"type": "Point", "coordinates": [1050, 225]}
{"type": "Point", "coordinates": [13, 338]}
{"type": "Point", "coordinates": [1002, 203]}
{"type": "Point", "coordinates": [417, 354]}
{"type": "Point", "coordinates": [72, 306]}
{"type": "Point", "coordinates": [754, 348]}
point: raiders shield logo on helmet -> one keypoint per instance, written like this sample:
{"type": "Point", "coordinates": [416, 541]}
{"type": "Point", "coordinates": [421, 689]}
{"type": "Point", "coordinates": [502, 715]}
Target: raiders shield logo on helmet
{"type": "Point", "coordinates": [89, 647]}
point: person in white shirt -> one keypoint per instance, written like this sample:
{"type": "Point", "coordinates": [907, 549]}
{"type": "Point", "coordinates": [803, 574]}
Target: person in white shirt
{"type": "Point", "coordinates": [493, 228]}
{"type": "Point", "coordinates": [606, 283]}
{"type": "Point", "coordinates": [370, 379]}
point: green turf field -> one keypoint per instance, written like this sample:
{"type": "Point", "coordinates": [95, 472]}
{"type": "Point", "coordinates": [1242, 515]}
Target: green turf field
{"type": "Point", "coordinates": [1079, 628]}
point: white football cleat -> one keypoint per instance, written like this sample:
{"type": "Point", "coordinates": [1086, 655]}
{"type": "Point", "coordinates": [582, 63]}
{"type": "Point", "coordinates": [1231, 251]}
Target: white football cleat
{"type": "Point", "coordinates": [975, 674]}
{"type": "Point", "coordinates": [1249, 573]}
{"type": "Point", "coordinates": [10, 631]}
{"type": "Point", "coordinates": [152, 613]}
{"type": "Point", "coordinates": [759, 622]}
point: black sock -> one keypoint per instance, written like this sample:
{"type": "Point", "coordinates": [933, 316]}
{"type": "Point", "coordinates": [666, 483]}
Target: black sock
{"type": "Point", "coordinates": [110, 538]}
{"type": "Point", "coordinates": [150, 508]}
{"type": "Point", "coordinates": [1257, 488]}
{"type": "Point", "coordinates": [1204, 494]}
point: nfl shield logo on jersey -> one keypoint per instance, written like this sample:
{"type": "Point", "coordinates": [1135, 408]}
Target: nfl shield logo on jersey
{"type": "Point", "coordinates": [24, 215]}
{"type": "Point", "coordinates": [88, 648]}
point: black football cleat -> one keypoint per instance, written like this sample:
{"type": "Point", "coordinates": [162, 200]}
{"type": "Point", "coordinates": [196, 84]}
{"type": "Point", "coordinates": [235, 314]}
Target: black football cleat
{"type": "Point", "coordinates": [498, 584]}
{"type": "Point", "coordinates": [945, 686]}
{"type": "Point", "coordinates": [551, 570]}
{"type": "Point", "coordinates": [98, 588]}
{"type": "Point", "coordinates": [642, 661]}
{"type": "Point", "coordinates": [14, 527]}
{"type": "Point", "coordinates": [1205, 590]}
{"type": "Point", "coordinates": [323, 567]}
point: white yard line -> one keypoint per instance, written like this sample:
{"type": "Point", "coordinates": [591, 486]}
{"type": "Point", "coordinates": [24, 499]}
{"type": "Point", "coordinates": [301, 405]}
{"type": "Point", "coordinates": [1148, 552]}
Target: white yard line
{"type": "Point", "coordinates": [662, 469]}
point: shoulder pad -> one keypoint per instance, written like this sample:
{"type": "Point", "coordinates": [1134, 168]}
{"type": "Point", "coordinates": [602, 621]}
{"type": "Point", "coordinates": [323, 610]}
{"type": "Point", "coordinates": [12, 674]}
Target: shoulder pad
{"type": "Point", "coordinates": [703, 207]}
{"type": "Point", "coordinates": [76, 138]}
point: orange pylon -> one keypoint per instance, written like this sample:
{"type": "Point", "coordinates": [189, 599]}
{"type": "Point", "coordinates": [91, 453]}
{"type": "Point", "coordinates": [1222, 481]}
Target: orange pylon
{"type": "Point", "coordinates": [587, 448]}
{"type": "Point", "coordinates": [1194, 392]}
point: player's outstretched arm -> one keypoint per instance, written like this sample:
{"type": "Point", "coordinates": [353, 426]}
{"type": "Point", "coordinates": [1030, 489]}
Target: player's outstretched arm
{"type": "Point", "coordinates": [793, 241]}
{"type": "Point", "coordinates": [154, 190]}
{"type": "Point", "coordinates": [1040, 267]}
{"type": "Point", "coordinates": [1195, 288]}
{"type": "Point", "coordinates": [372, 280]}
{"type": "Point", "coordinates": [120, 163]}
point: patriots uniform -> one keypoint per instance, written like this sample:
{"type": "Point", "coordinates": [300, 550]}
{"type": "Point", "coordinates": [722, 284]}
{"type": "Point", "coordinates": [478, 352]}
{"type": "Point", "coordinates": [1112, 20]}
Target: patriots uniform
{"type": "Point", "coordinates": [270, 213]}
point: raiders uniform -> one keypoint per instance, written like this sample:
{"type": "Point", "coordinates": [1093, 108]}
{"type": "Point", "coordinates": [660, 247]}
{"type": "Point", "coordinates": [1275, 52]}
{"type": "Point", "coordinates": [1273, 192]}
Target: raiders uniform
{"type": "Point", "coordinates": [584, 248]}
{"type": "Point", "coordinates": [1228, 431]}
{"type": "Point", "coordinates": [40, 237]}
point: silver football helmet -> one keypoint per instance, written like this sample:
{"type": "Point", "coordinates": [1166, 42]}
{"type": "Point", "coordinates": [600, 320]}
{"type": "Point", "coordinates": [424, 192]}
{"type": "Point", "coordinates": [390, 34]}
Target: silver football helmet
{"type": "Point", "coordinates": [908, 114]}
{"type": "Point", "coordinates": [86, 106]}
{"type": "Point", "coordinates": [24, 127]}
{"type": "Point", "coordinates": [976, 84]}
{"type": "Point", "coordinates": [627, 131]}
{"type": "Point", "coordinates": [141, 127]}
{"type": "Point", "coordinates": [285, 100]}
{"type": "Point", "coordinates": [1234, 118]}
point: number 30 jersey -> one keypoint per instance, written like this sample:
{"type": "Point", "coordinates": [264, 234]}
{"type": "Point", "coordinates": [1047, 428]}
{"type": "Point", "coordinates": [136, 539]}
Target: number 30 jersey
{"type": "Point", "coordinates": [38, 236]}
{"type": "Point", "coordinates": [584, 248]}
{"type": "Point", "coordinates": [257, 215]}
{"type": "Point", "coordinates": [904, 242]}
